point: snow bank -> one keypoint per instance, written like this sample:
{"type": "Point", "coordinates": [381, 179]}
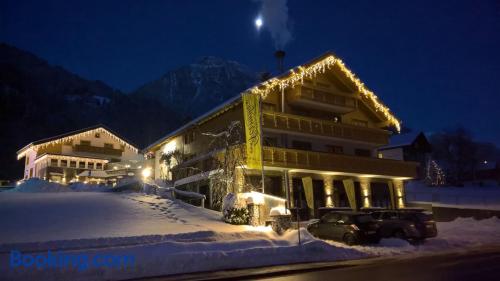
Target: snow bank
{"type": "Point", "coordinates": [38, 185]}
{"type": "Point", "coordinates": [81, 187]}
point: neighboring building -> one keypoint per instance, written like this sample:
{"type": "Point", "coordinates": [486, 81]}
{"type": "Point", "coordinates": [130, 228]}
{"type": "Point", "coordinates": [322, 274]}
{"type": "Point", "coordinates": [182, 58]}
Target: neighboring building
{"type": "Point", "coordinates": [408, 147]}
{"type": "Point", "coordinates": [324, 125]}
{"type": "Point", "coordinates": [95, 155]}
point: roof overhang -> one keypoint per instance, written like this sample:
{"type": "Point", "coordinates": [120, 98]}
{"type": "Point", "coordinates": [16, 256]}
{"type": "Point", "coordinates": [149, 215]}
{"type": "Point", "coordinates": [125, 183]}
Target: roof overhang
{"type": "Point", "coordinates": [72, 135]}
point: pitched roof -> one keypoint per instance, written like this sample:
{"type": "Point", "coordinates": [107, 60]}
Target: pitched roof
{"type": "Point", "coordinates": [74, 134]}
{"type": "Point", "coordinates": [399, 140]}
{"type": "Point", "coordinates": [292, 78]}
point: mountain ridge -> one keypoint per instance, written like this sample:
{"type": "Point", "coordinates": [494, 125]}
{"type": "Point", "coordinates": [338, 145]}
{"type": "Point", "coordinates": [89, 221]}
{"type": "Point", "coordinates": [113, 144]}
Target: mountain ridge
{"type": "Point", "coordinates": [39, 100]}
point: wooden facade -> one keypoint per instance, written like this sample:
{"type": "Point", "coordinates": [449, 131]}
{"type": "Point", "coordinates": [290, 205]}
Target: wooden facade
{"type": "Point", "coordinates": [324, 129]}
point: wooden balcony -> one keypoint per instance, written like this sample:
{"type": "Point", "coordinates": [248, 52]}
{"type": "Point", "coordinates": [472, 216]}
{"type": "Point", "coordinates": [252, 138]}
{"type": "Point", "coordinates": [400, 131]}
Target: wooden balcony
{"type": "Point", "coordinates": [97, 150]}
{"type": "Point", "coordinates": [301, 124]}
{"type": "Point", "coordinates": [300, 159]}
{"type": "Point", "coordinates": [322, 99]}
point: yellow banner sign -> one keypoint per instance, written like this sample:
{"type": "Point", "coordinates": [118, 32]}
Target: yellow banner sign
{"type": "Point", "coordinates": [308, 190]}
{"type": "Point", "coordinates": [351, 194]}
{"type": "Point", "coordinates": [251, 113]}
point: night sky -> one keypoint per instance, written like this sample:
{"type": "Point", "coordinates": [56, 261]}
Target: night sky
{"type": "Point", "coordinates": [436, 64]}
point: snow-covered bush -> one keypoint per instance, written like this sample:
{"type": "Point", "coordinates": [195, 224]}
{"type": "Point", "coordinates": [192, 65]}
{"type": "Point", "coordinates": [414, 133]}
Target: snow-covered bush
{"type": "Point", "coordinates": [234, 210]}
{"type": "Point", "coordinates": [237, 216]}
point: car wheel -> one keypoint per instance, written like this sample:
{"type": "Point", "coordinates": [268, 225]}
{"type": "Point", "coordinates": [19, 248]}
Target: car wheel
{"type": "Point", "coordinates": [399, 234]}
{"type": "Point", "coordinates": [349, 239]}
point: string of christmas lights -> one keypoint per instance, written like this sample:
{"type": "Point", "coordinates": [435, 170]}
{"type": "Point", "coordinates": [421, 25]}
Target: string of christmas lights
{"type": "Point", "coordinates": [76, 136]}
{"type": "Point", "coordinates": [297, 76]}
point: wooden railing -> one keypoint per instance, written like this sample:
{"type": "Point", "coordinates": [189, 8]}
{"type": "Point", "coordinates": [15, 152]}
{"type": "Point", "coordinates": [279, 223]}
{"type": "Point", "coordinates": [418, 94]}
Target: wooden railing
{"type": "Point", "coordinates": [300, 159]}
{"type": "Point", "coordinates": [302, 124]}
{"type": "Point", "coordinates": [97, 150]}
{"type": "Point", "coordinates": [324, 97]}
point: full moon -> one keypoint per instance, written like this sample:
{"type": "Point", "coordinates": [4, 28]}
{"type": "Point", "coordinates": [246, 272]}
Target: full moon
{"type": "Point", "coordinates": [258, 22]}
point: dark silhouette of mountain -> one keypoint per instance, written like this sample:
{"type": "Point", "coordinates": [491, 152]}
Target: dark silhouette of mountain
{"type": "Point", "coordinates": [38, 100]}
{"type": "Point", "coordinates": [198, 87]}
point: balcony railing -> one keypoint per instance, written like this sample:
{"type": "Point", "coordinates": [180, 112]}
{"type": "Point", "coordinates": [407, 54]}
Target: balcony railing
{"type": "Point", "coordinates": [97, 150]}
{"type": "Point", "coordinates": [300, 159]}
{"type": "Point", "coordinates": [295, 123]}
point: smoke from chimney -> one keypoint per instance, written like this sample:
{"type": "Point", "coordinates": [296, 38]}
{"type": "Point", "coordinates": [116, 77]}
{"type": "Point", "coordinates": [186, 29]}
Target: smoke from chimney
{"type": "Point", "coordinates": [275, 15]}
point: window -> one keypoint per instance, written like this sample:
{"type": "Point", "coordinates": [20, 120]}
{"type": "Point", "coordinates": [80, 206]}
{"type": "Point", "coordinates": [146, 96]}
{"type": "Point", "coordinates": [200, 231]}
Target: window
{"type": "Point", "coordinates": [97, 135]}
{"type": "Point", "coordinates": [337, 149]}
{"type": "Point", "coordinates": [72, 164]}
{"type": "Point", "coordinates": [64, 163]}
{"type": "Point", "coordinates": [362, 152]}
{"type": "Point", "coordinates": [189, 137]}
{"type": "Point", "coordinates": [27, 160]}
{"type": "Point", "coordinates": [361, 123]}
{"type": "Point", "coordinates": [90, 165]}
{"type": "Point", "coordinates": [108, 145]}
{"type": "Point", "coordinates": [271, 141]}
{"type": "Point", "coordinates": [331, 217]}
{"type": "Point", "coordinates": [81, 165]}
{"type": "Point", "coordinates": [85, 142]}
{"type": "Point", "coordinates": [99, 166]}
{"type": "Point", "coordinates": [53, 162]}
{"type": "Point", "coordinates": [302, 145]}
{"type": "Point", "coordinates": [268, 106]}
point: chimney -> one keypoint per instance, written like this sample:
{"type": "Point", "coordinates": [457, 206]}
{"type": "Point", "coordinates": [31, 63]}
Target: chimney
{"type": "Point", "coordinates": [280, 56]}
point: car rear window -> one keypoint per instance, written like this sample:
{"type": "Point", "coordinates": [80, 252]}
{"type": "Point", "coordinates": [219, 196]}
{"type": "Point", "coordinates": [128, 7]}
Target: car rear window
{"type": "Point", "coordinates": [364, 218]}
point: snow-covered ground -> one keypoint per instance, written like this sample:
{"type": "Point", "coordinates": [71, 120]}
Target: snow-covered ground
{"type": "Point", "coordinates": [165, 237]}
{"type": "Point", "coordinates": [469, 196]}
{"type": "Point", "coordinates": [170, 237]}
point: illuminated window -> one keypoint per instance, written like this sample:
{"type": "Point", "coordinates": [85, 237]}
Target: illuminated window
{"type": "Point", "coordinates": [64, 163]}
{"type": "Point", "coordinates": [72, 164]}
{"type": "Point", "coordinates": [84, 142]}
{"type": "Point", "coordinates": [81, 165]}
{"type": "Point", "coordinates": [90, 165]}
{"type": "Point", "coordinates": [53, 162]}
{"type": "Point", "coordinates": [99, 166]}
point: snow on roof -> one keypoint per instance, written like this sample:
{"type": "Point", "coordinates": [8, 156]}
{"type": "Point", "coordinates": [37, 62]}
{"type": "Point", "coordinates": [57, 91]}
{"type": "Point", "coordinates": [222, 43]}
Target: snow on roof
{"type": "Point", "coordinates": [399, 140]}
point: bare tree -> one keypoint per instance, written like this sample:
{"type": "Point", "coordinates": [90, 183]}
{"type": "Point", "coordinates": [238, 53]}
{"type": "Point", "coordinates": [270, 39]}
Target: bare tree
{"type": "Point", "coordinates": [228, 156]}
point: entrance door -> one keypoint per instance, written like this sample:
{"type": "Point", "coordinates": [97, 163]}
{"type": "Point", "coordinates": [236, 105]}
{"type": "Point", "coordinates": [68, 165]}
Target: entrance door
{"type": "Point", "coordinates": [340, 195]}
{"type": "Point", "coordinates": [380, 195]}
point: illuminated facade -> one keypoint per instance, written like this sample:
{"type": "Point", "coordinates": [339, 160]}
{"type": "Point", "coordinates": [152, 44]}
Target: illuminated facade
{"type": "Point", "coordinates": [319, 121]}
{"type": "Point", "coordinates": [94, 154]}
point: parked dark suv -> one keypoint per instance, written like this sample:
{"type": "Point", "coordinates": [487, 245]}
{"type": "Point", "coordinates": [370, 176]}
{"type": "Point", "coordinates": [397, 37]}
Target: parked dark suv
{"type": "Point", "coordinates": [348, 227]}
{"type": "Point", "coordinates": [392, 226]}
{"type": "Point", "coordinates": [410, 225]}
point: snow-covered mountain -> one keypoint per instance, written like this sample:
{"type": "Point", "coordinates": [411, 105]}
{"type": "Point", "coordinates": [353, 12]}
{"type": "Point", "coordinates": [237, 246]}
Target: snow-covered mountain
{"type": "Point", "coordinates": [196, 88]}
{"type": "Point", "coordinates": [39, 100]}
